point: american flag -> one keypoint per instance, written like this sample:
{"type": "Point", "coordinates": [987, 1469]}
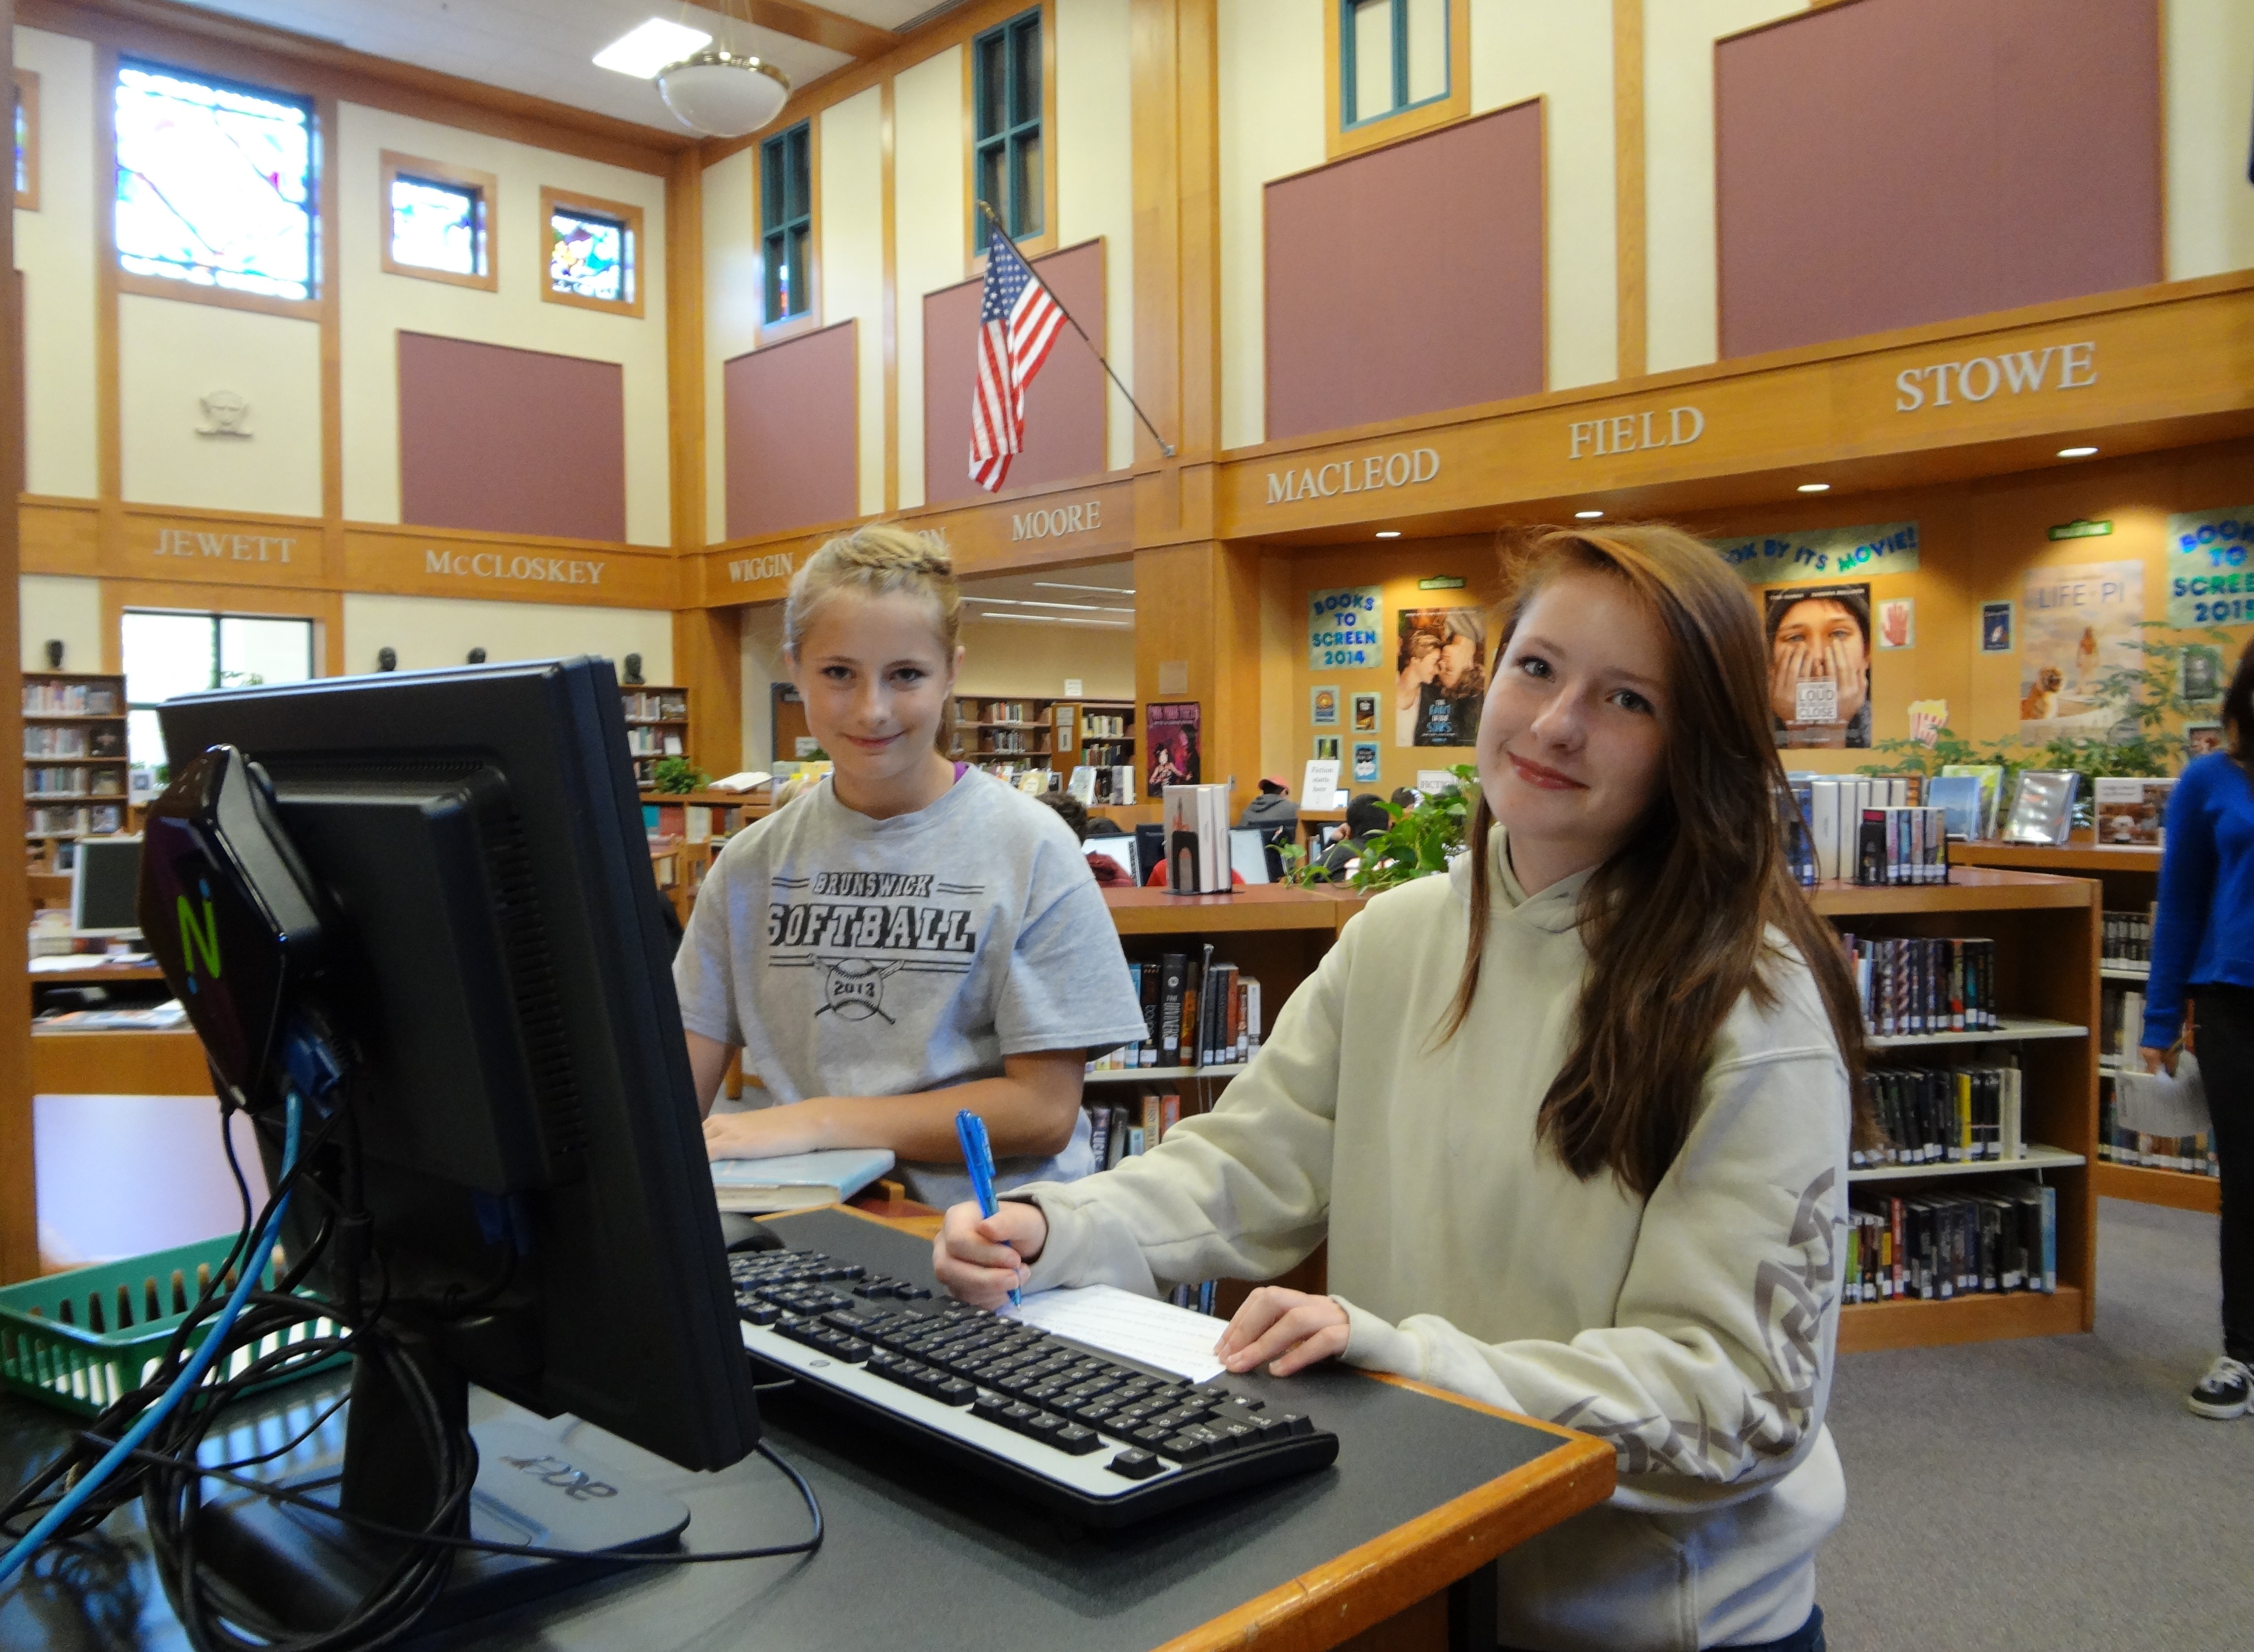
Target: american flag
{"type": "Point", "coordinates": [1017, 323]}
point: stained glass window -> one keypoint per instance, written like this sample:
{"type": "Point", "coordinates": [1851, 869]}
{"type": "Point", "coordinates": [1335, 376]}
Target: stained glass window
{"type": "Point", "coordinates": [214, 183]}
{"type": "Point", "coordinates": [23, 144]}
{"type": "Point", "coordinates": [438, 226]}
{"type": "Point", "coordinates": [590, 257]}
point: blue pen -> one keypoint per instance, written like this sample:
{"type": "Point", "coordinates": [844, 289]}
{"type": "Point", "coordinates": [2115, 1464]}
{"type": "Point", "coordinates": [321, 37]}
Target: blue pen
{"type": "Point", "coordinates": [978, 1160]}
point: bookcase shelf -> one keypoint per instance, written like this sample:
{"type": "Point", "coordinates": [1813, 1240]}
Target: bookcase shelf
{"type": "Point", "coordinates": [54, 818]}
{"type": "Point", "coordinates": [2037, 1157]}
{"type": "Point", "coordinates": [2015, 1028]}
{"type": "Point", "coordinates": [2125, 971]}
{"type": "Point", "coordinates": [1141, 1074]}
{"type": "Point", "coordinates": [2149, 1186]}
{"type": "Point", "coordinates": [655, 712]}
{"type": "Point", "coordinates": [1867, 1326]}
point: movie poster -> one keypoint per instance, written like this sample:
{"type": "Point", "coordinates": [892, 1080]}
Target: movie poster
{"type": "Point", "coordinates": [1440, 675]}
{"type": "Point", "coordinates": [1173, 735]}
{"type": "Point", "coordinates": [2075, 624]}
{"type": "Point", "coordinates": [1819, 672]}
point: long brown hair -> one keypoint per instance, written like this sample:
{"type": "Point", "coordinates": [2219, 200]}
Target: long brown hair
{"type": "Point", "coordinates": [1676, 921]}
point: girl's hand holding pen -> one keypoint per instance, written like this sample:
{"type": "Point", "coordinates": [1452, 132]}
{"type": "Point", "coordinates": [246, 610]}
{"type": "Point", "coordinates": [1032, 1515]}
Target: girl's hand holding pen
{"type": "Point", "coordinates": [981, 1259]}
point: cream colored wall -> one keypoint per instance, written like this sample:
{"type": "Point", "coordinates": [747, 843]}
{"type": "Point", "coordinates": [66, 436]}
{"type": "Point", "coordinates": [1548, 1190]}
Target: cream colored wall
{"type": "Point", "coordinates": [1001, 658]}
{"type": "Point", "coordinates": [436, 631]}
{"type": "Point", "coordinates": [850, 225]}
{"type": "Point", "coordinates": [376, 307]}
{"type": "Point", "coordinates": [1270, 73]}
{"type": "Point", "coordinates": [731, 312]}
{"type": "Point", "coordinates": [1283, 639]}
{"type": "Point", "coordinates": [1561, 50]}
{"type": "Point", "coordinates": [928, 218]}
{"type": "Point", "coordinates": [761, 652]}
{"type": "Point", "coordinates": [1682, 308]}
{"type": "Point", "coordinates": [54, 249]}
{"type": "Point", "coordinates": [171, 353]}
{"type": "Point", "coordinates": [2207, 50]}
{"type": "Point", "coordinates": [51, 605]}
{"type": "Point", "coordinates": [1096, 180]}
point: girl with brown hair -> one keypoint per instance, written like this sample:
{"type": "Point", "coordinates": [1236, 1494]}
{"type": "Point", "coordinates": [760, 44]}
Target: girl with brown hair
{"type": "Point", "coordinates": [1573, 1118]}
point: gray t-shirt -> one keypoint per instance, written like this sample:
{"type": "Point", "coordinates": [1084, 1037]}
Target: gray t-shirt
{"type": "Point", "coordinates": [853, 956]}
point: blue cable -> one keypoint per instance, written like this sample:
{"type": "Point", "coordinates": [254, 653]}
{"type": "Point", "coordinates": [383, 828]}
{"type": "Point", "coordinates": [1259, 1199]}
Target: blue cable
{"type": "Point", "coordinates": [191, 1374]}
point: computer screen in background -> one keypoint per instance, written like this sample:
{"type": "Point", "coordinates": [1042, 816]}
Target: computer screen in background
{"type": "Point", "coordinates": [1119, 849]}
{"type": "Point", "coordinates": [1248, 854]}
{"type": "Point", "coordinates": [106, 886]}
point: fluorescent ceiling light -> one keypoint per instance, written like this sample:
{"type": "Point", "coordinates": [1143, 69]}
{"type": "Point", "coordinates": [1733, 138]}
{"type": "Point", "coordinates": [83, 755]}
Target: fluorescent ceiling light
{"type": "Point", "coordinates": [2076, 452]}
{"type": "Point", "coordinates": [1109, 590]}
{"type": "Point", "coordinates": [643, 51]}
{"type": "Point", "coordinates": [1061, 620]}
{"type": "Point", "coordinates": [1587, 515]}
{"type": "Point", "coordinates": [1816, 487]}
{"type": "Point", "coordinates": [1032, 602]}
{"type": "Point", "coordinates": [1388, 533]}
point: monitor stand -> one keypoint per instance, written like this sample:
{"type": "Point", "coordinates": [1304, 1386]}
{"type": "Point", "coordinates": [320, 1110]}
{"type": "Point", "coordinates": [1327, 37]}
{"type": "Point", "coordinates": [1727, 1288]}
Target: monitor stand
{"type": "Point", "coordinates": [307, 1571]}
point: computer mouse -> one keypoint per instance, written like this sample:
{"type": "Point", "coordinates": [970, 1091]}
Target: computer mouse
{"type": "Point", "coordinates": [759, 1236]}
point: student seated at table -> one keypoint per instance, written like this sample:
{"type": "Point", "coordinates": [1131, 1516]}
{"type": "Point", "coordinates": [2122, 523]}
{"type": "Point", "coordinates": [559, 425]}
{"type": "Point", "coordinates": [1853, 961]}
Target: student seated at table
{"type": "Point", "coordinates": [1365, 819]}
{"type": "Point", "coordinates": [909, 937]}
{"type": "Point", "coordinates": [1574, 1116]}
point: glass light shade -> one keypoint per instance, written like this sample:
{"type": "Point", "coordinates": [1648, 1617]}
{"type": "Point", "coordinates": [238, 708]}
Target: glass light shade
{"type": "Point", "coordinates": [722, 95]}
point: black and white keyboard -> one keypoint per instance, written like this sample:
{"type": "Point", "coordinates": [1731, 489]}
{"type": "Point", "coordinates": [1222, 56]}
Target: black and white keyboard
{"type": "Point", "coordinates": [1084, 1433]}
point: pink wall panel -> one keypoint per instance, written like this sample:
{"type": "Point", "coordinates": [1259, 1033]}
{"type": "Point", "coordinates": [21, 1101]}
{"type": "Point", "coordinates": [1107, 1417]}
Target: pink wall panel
{"type": "Point", "coordinates": [1408, 280]}
{"type": "Point", "coordinates": [1064, 410]}
{"type": "Point", "coordinates": [1887, 162]}
{"type": "Point", "coordinates": [510, 441]}
{"type": "Point", "coordinates": [793, 433]}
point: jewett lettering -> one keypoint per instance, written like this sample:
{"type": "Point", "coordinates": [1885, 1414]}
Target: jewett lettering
{"type": "Point", "coordinates": [2055, 367]}
{"type": "Point", "coordinates": [1369, 474]}
{"type": "Point", "coordinates": [1634, 432]}
{"type": "Point", "coordinates": [224, 547]}
{"type": "Point", "coordinates": [494, 564]}
{"type": "Point", "coordinates": [1058, 521]}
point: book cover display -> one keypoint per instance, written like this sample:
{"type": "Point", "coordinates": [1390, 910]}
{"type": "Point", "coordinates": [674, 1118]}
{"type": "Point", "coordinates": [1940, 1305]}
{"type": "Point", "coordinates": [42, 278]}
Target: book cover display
{"type": "Point", "coordinates": [1197, 840]}
{"type": "Point", "coordinates": [1819, 644]}
{"type": "Point", "coordinates": [2042, 806]}
{"type": "Point", "coordinates": [2130, 810]}
{"type": "Point", "coordinates": [1440, 675]}
{"type": "Point", "coordinates": [1174, 756]}
{"type": "Point", "coordinates": [2076, 625]}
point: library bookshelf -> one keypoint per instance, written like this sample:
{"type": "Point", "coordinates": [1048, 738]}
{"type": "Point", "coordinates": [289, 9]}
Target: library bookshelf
{"type": "Point", "coordinates": [657, 725]}
{"type": "Point", "coordinates": [2129, 877]}
{"type": "Point", "coordinates": [1012, 736]}
{"type": "Point", "coordinates": [75, 774]}
{"type": "Point", "coordinates": [2045, 928]}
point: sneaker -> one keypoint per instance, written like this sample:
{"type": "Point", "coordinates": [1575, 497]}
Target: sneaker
{"type": "Point", "coordinates": [2224, 1392]}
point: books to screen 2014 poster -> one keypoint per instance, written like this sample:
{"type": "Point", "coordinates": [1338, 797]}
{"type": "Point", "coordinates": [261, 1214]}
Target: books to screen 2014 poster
{"type": "Point", "coordinates": [1819, 674]}
{"type": "Point", "coordinates": [1174, 734]}
{"type": "Point", "coordinates": [1440, 666]}
{"type": "Point", "coordinates": [2075, 624]}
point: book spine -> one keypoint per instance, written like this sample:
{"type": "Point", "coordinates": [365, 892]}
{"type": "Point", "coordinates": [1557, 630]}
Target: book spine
{"type": "Point", "coordinates": [1170, 1114]}
{"type": "Point", "coordinates": [1174, 968]}
{"type": "Point", "coordinates": [1252, 1018]}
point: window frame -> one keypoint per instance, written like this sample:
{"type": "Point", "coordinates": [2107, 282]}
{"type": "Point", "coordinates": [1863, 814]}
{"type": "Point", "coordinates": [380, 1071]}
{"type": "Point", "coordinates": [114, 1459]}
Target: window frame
{"type": "Point", "coordinates": [974, 228]}
{"type": "Point", "coordinates": [320, 131]}
{"type": "Point", "coordinates": [1407, 121]}
{"type": "Point", "coordinates": [570, 200]}
{"type": "Point", "coordinates": [393, 166]}
{"type": "Point", "coordinates": [313, 641]}
{"type": "Point", "coordinates": [809, 319]}
{"type": "Point", "coordinates": [27, 99]}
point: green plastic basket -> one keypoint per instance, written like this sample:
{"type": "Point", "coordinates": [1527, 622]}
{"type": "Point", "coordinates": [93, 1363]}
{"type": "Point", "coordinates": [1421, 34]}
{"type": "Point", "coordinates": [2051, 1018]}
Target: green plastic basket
{"type": "Point", "coordinates": [80, 1341]}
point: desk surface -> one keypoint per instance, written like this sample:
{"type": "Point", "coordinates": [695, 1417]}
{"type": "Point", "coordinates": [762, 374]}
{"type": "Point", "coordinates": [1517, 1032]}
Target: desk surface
{"type": "Point", "coordinates": [1425, 1490]}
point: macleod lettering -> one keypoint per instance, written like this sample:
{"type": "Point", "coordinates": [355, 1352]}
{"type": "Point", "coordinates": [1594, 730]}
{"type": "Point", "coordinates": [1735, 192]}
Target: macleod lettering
{"type": "Point", "coordinates": [746, 570]}
{"type": "Point", "coordinates": [493, 564]}
{"type": "Point", "coordinates": [2057, 366]}
{"type": "Point", "coordinates": [183, 542]}
{"type": "Point", "coordinates": [1363, 475]}
{"type": "Point", "coordinates": [1056, 522]}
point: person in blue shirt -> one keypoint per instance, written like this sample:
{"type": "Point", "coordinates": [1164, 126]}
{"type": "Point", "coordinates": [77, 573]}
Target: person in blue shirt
{"type": "Point", "coordinates": [2204, 947]}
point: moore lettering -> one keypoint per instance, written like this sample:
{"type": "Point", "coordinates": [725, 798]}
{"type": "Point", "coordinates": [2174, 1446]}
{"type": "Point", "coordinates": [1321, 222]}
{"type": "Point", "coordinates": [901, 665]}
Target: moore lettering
{"type": "Point", "coordinates": [1364, 475]}
{"type": "Point", "coordinates": [495, 564]}
{"type": "Point", "coordinates": [1057, 522]}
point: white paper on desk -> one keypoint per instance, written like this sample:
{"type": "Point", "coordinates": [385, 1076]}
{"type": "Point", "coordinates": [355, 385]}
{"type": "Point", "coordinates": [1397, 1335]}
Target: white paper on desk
{"type": "Point", "coordinates": [1135, 1327]}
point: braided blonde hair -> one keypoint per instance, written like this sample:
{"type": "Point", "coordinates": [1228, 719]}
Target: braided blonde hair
{"type": "Point", "coordinates": [876, 561]}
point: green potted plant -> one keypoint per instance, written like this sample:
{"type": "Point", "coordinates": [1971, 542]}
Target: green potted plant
{"type": "Point", "coordinates": [673, 775]}
{"type": "Point", "coordinates": [1419, 841]}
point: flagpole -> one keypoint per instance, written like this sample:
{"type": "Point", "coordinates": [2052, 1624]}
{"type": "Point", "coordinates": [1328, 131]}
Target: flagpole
{"type": "Point", "coordinates": [1165, 446]}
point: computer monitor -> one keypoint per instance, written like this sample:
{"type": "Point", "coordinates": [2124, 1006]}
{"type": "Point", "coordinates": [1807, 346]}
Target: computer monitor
{"type": "Point", "coordinates": [1118, 848]}
{"type": "Point", "coordinates": [1248, 854]}
{"type": "Point", "coordinates": [528, 1139]}
{"type": "Point", "coordinates": [106, 886]}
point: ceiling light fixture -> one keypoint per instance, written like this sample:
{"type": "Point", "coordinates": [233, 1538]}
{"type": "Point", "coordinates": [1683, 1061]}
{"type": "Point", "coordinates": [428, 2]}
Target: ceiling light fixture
{"type": "Point", "coordinates": [1388, 533]}
{"type": "Point", "coordinates": [1062, 619]}
{"type": "Point", "coordinates": [641, 52]}
{"type": "Point", "coordinates": [2076, 452]}
{"type": "Point", "coordinates": [1109, 590]}
{"type": "Point", "coordinates": [723, 93]}
{"type": "Point", "coordinates": [1816, 487]}
{"type": "Point", "coordinates": [1587, 515]}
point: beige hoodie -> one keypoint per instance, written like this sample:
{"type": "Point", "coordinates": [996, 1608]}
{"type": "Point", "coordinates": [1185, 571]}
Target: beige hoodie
{"type": "Point", "coordinates": [1695, 1330]}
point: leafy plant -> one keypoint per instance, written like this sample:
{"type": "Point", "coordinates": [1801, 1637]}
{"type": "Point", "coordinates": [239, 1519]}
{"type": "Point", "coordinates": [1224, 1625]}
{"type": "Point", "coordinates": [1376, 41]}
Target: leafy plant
{"type": "Point", "coordinates": [1419, 842]}
{"type": "Point", "coordinates": [673, 774]}
{"type": "Point", "coordinates": [1300, 871]}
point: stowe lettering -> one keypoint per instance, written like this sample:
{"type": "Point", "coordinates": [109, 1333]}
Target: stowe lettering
{"type": "Point", "coordinates": [1979, 377]}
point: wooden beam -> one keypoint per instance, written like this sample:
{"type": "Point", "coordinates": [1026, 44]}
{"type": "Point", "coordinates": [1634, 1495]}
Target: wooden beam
{"type": "Point", "coordinates": [1629, 229]}
{"type": "Point", "coordinates": [684, 347]}
{"type": "Point", "coordinates": [817, 25]}
{"type": "Point", "coordinates": [19, 1213]}
{"type": "Point", "coordinates": [229, 45]}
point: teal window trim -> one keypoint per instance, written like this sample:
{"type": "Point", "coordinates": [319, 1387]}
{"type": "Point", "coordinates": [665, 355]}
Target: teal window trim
{"type": "Point", "coordinates": [1000, 148]}
{"type": "Point", "coordinates": [786, 225]}
{"type": "Point", "coordinates": [1349, 115]}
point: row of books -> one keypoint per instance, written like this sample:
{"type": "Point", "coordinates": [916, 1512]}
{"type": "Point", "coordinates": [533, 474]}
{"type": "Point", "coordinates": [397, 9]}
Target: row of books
{"type": "Point", "coordinates": [2120, 1021]}
{"type": "Point", "coordinates": [1103, 725]}
{"type": "Point", "coordinates": [688, 822]}
{"type": "Point", "coordinates": [1913, 985]}
{"type": "Point", "coordinates": [1936, 1116]}
{"type": "Point", "coordinates": [46, 740]}
{"type": "Point", "coordinates": [1013, 740]}
{"type": "Point", "coordinates": [651, 742]}
{"type": "Point", "coordinates": [95, 820]}
{"type": "Point", "coordinates": [1126, 1130]}
{"type": "Point", "coordinates": [996, 711]}
{"type": "Point", "coordinates": [1197, 1012]}
{"type": "Point", "coordinates": [646, 708]}
{"type": "Point", "coordinates": [1935, 1247]}
{"type": "Point", "coordinates": [1832, 805]}
{"type": "Point", "coordinates": [1095, 786]}
{"type": "Point", "coordinates": [69, 699]}
{"type": "Point", "coordinates": [2188, 1155]}
{"type": "Point", "coordinates": [95, 782]}
{"type": "Point", "coordinates": [2128, 937]}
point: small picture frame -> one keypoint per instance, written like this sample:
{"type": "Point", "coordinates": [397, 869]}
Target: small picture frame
{"type": "Point", "coordinates": [1365, 714]}
{"type": "Point", "coordinates": [1365, 762]}
{"type": "Point", "coordinates": [1326, 748]}
{"type": "Point", "coordinates": [2202, 738]}
{"type": "Point", "coordinates": [1998, 631]}
{"type": "Point", "coordinates": [1323, 707]}
{"type": "Point", "coordinates": [1897, 627]}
